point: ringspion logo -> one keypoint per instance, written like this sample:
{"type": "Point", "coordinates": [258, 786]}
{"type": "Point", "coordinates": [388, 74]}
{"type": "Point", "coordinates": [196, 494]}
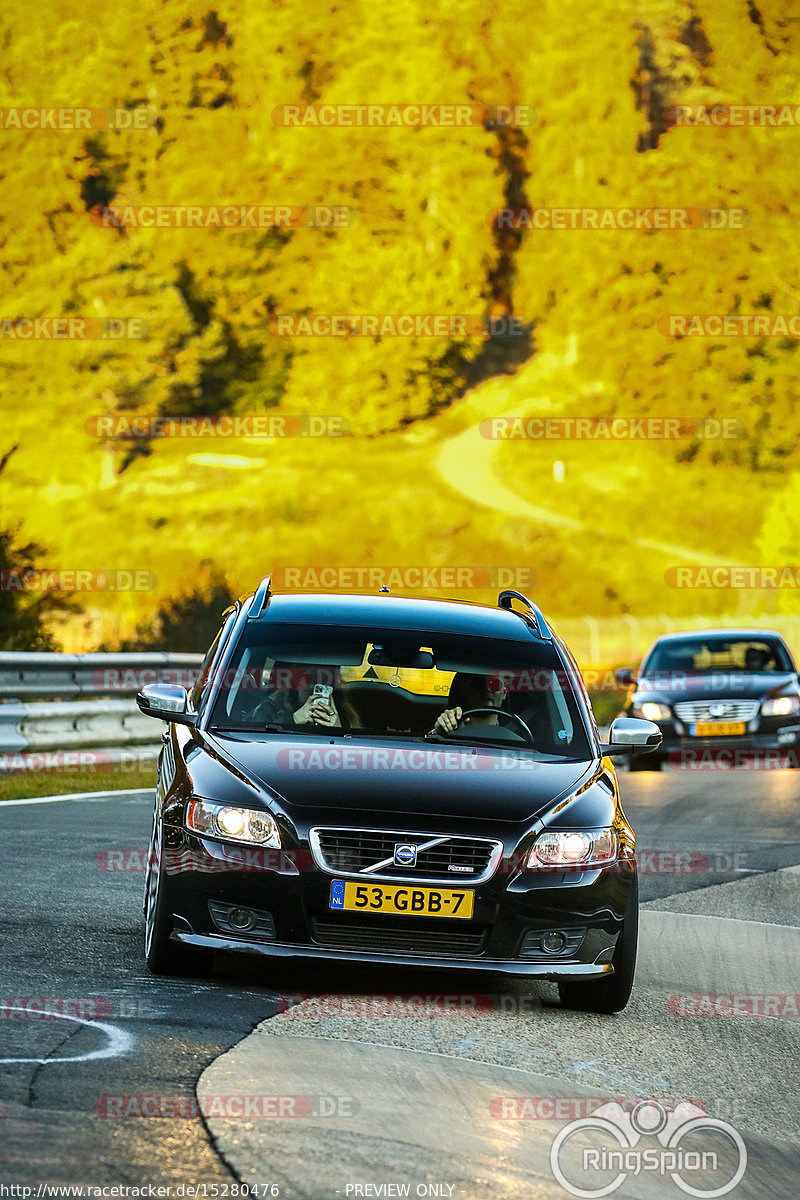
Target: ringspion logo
{"type": "Point", "coordinates": [710, 1162]}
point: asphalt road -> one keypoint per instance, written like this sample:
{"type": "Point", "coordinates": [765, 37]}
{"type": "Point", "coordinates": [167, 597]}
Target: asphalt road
{"type": "Point", "coordinates": [72, 931]}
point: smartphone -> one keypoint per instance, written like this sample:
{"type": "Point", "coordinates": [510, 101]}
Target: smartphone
{"type": "Point", "coordinates": [322, 691]}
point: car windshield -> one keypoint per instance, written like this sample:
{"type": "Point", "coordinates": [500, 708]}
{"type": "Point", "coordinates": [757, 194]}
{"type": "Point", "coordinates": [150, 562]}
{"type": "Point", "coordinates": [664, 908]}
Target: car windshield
{"type": "Point", "coordinates": [348, 682]}
{"type": "Point", "coordinates": [705, 655]}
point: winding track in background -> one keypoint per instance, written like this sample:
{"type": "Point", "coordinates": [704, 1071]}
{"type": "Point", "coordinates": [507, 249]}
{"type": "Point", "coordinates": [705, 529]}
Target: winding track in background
{"type": "Point", "coordinates": [465, 463]}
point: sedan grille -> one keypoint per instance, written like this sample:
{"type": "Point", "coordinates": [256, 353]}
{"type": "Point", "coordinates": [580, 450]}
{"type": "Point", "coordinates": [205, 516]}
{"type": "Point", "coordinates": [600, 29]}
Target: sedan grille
{"type": "Point", "coordinates": [724, 710]}
{"type": "Point", "coordinates": [434, 858]}
{"type": "Point", "coordinates": [383, 936]}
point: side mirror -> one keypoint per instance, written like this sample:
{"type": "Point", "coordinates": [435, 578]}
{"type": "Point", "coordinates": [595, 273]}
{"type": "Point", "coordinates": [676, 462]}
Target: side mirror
{"type": "Point", "coordinates": [166, 702]}
{"type": "Point", "coordinates": [624, 676]}
{"type": "Point", "coordinates": [628, 735]}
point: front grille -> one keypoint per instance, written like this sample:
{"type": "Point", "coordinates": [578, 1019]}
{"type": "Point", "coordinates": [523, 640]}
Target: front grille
{"type": "Point", "coordinates": [439, 858]}
{"type": "Point", "coordinates": [732, 710]}
{"type": "Point", "coordinates": [385, 936]}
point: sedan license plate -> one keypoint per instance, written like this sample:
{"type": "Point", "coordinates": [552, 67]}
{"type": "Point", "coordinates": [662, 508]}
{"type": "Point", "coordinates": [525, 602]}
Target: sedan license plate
{"type": "Point", "coordinates": [717, 728]}
{"type": "Point", "coordinates": [402, 901]}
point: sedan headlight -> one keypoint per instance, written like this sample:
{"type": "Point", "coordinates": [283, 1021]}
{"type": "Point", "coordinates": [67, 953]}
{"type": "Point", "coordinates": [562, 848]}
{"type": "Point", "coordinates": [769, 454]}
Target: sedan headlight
{"type": "Point", "coordinates": [573, 848]}
{"type": "Point", "coordinates": [781, 706]}
{"type": "Point", "coordinates": [651, 711]}
{"type": "Point", "coordinates": [252, 826]}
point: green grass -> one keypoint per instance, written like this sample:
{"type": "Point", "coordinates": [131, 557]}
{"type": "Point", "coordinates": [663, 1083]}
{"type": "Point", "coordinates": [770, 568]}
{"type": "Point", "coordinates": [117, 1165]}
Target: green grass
{"type": "Point", "coordinates": [58, 783]}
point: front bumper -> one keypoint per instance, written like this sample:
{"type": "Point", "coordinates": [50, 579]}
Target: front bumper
{"type": "Point", "coordinates": [675, 747]}
{"type": "Point", "coordinates": [296, 921]}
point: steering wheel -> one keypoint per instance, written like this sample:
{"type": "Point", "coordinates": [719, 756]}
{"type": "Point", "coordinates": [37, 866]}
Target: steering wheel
{"type": "Point", "coordinates": [498, 712]}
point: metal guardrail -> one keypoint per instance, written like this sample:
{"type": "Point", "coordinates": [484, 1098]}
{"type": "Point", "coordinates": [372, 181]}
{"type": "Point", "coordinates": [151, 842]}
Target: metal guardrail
{"type": "Point", "coordinates": [40, 676]}
{"type": "Point", "coordinates": [45, 703]}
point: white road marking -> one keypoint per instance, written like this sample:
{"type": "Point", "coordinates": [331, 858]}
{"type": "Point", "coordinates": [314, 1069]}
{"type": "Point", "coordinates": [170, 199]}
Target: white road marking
{"type": "Point", "coordinates": [76, 796]}
{"type": "Point", "coordinates": [119, 1041]}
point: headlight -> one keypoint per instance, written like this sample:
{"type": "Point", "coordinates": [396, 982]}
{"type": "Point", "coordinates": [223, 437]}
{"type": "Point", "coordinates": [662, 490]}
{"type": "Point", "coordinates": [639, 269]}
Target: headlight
{"type": "Point", "coordinates": [781, 706]}
{"type": "Point", "coordinates": [651, 711]}
{"type": "Point", "coordinates": [573, 848]}
{"type": "Point", "coordinates": [252, 826]}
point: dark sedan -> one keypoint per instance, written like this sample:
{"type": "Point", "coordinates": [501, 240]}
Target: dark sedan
{"type": "Point", "coordinates": [395, 781]}
{"type": "Point", "coordinates": [718, 696]}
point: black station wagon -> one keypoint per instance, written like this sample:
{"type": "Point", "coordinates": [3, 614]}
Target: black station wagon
{"type": "Point", "coordinates": [377, 779]}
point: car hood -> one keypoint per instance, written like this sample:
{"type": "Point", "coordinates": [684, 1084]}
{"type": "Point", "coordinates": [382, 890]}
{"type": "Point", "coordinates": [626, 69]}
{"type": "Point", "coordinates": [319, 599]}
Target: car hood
{"type": "Point", "coordinates": [401, 777]}
{"type": "Point", "coordinates": [716, 685]}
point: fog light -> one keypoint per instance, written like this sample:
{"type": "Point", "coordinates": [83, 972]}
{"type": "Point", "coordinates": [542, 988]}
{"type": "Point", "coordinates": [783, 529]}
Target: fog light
{"type": "Point", "coordinates": [553, 942]}
{"type": "Point", "coordinates": [241, 918]}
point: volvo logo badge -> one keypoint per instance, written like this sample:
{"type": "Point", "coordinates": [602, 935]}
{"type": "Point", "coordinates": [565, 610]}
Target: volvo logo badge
{"type": "Point", "coordinates": [405, 854]}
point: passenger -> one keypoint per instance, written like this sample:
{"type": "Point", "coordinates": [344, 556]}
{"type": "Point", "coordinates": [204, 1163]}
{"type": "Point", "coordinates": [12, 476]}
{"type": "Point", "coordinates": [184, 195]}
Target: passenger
{"type": "Point", "coordinates": [293, 702]}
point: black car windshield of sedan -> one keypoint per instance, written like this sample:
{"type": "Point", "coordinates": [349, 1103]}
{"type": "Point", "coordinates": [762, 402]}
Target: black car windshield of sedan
{"type": "Point", "coordinates": [291, 679]}
{"type": "Point", "coordinates": [703, 656]}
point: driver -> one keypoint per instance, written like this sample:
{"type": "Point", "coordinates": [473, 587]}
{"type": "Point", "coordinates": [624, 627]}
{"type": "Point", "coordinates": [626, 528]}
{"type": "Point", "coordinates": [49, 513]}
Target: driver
{"type": "Point", "coordinates": [471, 691]}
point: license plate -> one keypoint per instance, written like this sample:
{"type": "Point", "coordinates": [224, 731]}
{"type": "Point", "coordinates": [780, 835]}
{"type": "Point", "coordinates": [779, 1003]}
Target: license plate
{"type": "Point", "coordinates": [717, 728]}
{"type": "Point", "coordinates": [402, 901]}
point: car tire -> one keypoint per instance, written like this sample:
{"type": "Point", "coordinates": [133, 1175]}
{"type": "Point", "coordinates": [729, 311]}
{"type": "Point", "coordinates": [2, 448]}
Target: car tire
{"type": "Point", "coordinates": [164, 957]}
{"type": "Point", "coordinates": [612, 992]}
{"type": "Point", "coordinates": [646, 762]}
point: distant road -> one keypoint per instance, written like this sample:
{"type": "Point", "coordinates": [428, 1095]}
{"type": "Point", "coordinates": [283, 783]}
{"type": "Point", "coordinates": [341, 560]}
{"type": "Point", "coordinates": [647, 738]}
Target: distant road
{"type": "Point", "coordinates": [465, 462]}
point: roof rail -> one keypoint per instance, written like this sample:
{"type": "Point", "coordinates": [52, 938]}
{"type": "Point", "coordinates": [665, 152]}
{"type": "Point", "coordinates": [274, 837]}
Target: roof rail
{"type": "Point", "coordinates": [504, 601]}
{"type": "Point", "coordinates": [260, 599]}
